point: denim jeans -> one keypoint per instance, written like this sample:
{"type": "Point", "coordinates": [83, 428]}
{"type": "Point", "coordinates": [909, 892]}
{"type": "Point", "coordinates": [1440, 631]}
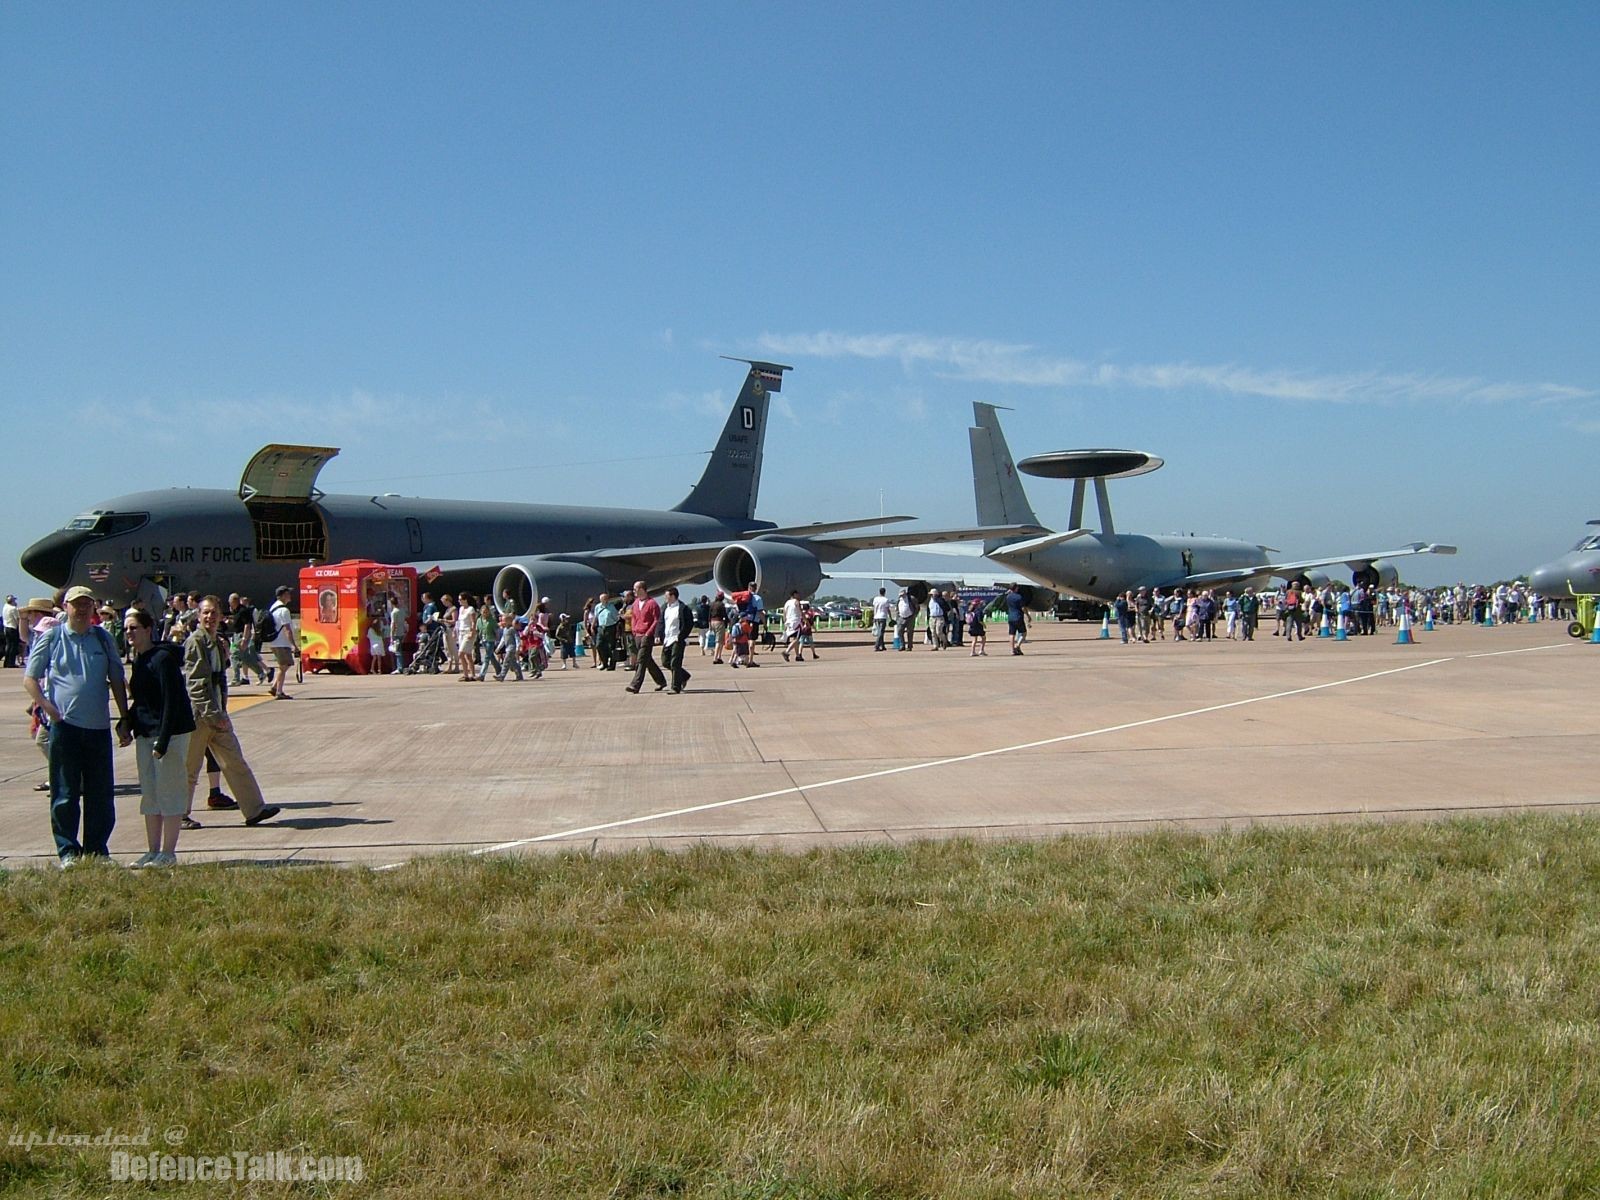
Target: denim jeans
{"type": "Point", "coordinates": [607, 647]}
{"type": "Point", "coordinates": [490, 660]}
{"type": "Point", "coordinates": [81, 780]}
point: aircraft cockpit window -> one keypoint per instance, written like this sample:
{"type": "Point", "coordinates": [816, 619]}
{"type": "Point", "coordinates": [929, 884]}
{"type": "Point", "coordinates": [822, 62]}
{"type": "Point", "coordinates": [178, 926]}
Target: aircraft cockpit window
{"type": "Point", "coordinates": [122, 522]}
{"type": "Point", "coordinates": [1592, 542]}
{"type": "Point", "coordinates": [103, 524]}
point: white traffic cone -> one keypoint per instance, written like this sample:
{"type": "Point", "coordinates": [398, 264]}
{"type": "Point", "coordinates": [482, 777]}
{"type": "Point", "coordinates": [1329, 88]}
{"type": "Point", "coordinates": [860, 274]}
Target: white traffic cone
{"type": "Point", "coordinates": [1105, 626]}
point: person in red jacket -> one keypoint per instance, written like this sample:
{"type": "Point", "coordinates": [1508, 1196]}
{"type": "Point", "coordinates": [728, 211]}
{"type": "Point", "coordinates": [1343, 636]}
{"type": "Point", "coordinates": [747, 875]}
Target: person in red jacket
{"type": "Point", "coordinates": [646, 624]}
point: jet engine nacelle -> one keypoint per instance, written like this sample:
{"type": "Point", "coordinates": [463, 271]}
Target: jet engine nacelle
{"type": "Point", "coordinates": [1316, 579]}
{"type": "Point", "coordinates": [1038, 599]}
{"type": "Point", "coordinates": [567, 584]}
{"type": "Point", "coordinates": [1378, 574]}
{"type": "Point", "coordinates": [771, 569]}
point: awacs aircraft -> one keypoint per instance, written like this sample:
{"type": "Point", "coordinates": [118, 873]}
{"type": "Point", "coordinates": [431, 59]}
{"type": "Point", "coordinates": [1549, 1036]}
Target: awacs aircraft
{"type": "Point", "coordinates": [1101, 566]}
{"type": "Point", "coordinates": [277, 522]}
{"type": "Point", "coordinates": [1578, 570]}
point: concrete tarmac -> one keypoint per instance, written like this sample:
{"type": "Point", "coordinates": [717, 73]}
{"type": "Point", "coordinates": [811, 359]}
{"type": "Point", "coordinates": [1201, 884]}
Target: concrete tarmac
{"type": "Point", "coordinates": [1080, 734]}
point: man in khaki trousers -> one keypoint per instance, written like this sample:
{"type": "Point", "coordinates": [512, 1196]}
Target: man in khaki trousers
{"type": "Point", "coordinates": [205, 672]}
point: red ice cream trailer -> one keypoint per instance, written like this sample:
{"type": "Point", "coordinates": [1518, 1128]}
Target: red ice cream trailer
{"type": "Point", "coordinates": [344, 614]}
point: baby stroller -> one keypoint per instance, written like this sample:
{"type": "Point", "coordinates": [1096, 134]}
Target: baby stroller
{"type": "Point", "coordinates": [429, 658]}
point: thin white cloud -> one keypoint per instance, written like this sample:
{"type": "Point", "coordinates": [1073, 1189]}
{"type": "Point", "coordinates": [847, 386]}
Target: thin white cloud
{"type": "Point", "coordinates": [1015, 363]}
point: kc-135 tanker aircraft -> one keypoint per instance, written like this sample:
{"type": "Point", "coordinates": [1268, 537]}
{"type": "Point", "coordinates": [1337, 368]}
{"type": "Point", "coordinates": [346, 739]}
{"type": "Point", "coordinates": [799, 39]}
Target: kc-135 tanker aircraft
{"type": "Point", "coordinates": [257, 538]}
{"type": "Point", "coordinates": [1101, 566]}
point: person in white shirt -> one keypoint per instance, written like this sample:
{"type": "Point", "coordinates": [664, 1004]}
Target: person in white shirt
{"type": "Point", "coordinates": [906, 619]}
{"type": "Point", "coordinates": [12, 638]}
{"type": "Point", "coordinates": [791, 628]}
{"type": "Point", "coordinates": [282, 643]}
{"type": "Point", "coordinates": [881, 611]}
{"type": "Point", "coordinates": [466, 635]}
{"type": "Point", "coordinates": [677, 627]}
{"type": "Point", "coordinates": [398, 627]}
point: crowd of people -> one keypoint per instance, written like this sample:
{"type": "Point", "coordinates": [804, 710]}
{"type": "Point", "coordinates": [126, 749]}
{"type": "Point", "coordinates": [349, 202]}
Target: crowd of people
{"type": "Point", "coordinates": [168, 674]}
{"type": "Point", "coordinates": [476, 639]}
{"type": "Point", "coordinates": [1296, 610]}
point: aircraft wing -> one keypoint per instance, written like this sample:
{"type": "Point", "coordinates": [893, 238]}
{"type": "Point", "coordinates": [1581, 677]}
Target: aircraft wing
{"type": "Point", "coordinates": [966, 579]}
{"type": "Point", "coordinates": [684, 561]}
{"type": "Point", "coordinates": [919, 537]}
{"type": "Point", "coordinates": [817, 527]}
{"type": "Point", "coordinates": [1040, 543]}
{"type": "Point", "coordinates": [690, 556]}
{"type": "Point", "coordinates": [689, 560]}
{"type": "Point", "coordinates": [700, 554]}
{"type": "Point", "coordinates": [976, 550]}
{"type": "Point", "coordinates": [1285, 570]}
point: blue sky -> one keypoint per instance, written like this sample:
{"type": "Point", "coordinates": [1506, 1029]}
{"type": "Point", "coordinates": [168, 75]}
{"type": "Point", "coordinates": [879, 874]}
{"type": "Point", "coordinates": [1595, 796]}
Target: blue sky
{"type": "Point", "coordinates": [1336, 264]}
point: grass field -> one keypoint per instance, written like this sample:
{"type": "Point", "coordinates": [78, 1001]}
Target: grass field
{"type": "Point", "coordinates": [1348, 1011]}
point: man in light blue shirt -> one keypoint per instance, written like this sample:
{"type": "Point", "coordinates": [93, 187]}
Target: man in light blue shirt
{"type": "Point", "coordinates": [73, 673]}
{"type": "Point", "coordinates": [605, 624]}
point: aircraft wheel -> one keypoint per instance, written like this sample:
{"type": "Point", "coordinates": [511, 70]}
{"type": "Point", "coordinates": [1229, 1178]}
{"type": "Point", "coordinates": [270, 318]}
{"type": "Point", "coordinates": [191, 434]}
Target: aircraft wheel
{"type": "Point", "coordinates": [1576, 630]}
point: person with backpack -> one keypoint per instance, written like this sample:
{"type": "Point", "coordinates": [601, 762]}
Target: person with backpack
{"type": "Point", "coordinates": [276, 630]}
{"type": "Point", "coordinates": [73, 673]}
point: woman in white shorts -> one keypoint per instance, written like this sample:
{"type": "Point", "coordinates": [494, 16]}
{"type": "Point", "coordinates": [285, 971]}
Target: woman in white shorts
{"type": "Point", "coordinates": [159, 721]}
{"type": "Point", "coordinates": [466, 634]}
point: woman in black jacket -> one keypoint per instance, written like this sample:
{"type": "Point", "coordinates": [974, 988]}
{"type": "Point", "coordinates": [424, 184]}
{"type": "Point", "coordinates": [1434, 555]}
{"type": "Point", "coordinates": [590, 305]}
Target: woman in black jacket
{"type": "Point", "coordinates": [160, 720]}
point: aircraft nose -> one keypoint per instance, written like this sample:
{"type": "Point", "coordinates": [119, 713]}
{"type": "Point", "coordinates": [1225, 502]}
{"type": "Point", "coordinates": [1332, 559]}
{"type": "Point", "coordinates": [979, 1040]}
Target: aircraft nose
{"type": "Point", "coordinates": [1550, 579]}
{"type": "Point", "coordinates": [50, 558]}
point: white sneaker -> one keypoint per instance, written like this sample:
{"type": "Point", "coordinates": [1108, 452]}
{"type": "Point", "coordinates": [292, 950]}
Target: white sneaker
{"type": "Point", "coordinates": [164, 859]}
{"type": "Point", "coordinates": [148, 859]}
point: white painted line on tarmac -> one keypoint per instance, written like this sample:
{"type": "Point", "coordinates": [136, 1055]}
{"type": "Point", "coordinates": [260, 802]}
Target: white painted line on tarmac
{"type": "Point", "coordinates": [1524, 650]}
{"type": "Point", "coordinates": [943, 762]}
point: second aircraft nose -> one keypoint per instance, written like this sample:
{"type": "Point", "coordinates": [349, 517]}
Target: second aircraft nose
{"type": "Point", "coordinates": [1550, 579]}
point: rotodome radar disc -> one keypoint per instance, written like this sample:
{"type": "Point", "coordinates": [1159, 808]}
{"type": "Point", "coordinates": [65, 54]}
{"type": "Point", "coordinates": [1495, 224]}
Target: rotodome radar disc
{"type": "Point", "coordinates": [1089, 464]}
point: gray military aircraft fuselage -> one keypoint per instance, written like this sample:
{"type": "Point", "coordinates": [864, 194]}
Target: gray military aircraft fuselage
{"type": "Point", "coordinates": [1578, 570]}
{"type": "Point", "coordinates": [202, 539]}
{"type": "Point", "coordinates": [257, 539]}
{"type": "Point", "coordinates": [1103, 565]}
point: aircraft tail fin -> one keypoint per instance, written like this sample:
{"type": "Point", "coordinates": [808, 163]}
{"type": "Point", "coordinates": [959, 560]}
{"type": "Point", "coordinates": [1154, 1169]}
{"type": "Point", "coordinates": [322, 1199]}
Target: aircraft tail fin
{"type": "Point", "coordinates": [731, 480]}
{"type": "Point", "coordinates": [995, 485]}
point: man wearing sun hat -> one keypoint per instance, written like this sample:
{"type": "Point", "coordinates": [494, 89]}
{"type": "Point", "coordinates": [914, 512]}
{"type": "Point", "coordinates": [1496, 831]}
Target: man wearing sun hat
{"type": "Point", "coordinates": [73, 672]}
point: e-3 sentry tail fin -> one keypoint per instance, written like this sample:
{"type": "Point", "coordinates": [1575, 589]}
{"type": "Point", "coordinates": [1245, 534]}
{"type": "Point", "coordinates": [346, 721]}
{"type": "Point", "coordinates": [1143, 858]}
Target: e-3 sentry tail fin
{"type": "Point", "coordinates": [727, 489]}
{"type": "Point", "coordinates": [995, 484]}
